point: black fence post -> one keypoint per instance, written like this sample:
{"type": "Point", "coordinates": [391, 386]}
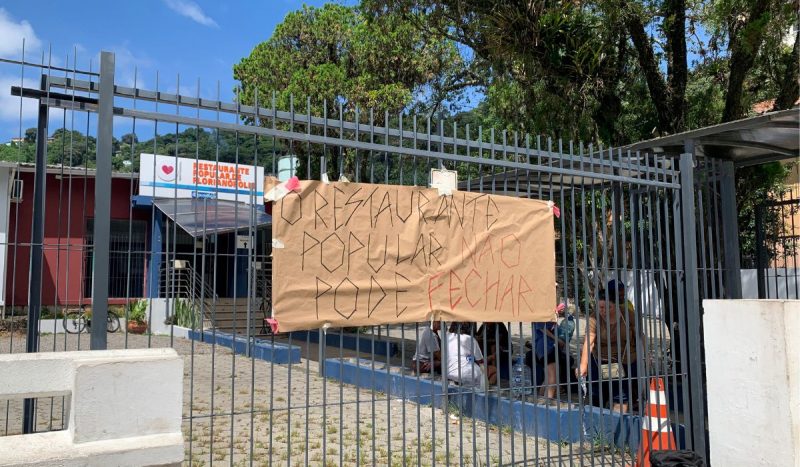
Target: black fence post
{"type": "Point", "coordinates": [761, 252]}
{"type": "Point", "coordinates": [730, 232]}
{"type": "Point", "coordinates": [37, 251]}
{"type": "Point", "coordinates": [693, 306]}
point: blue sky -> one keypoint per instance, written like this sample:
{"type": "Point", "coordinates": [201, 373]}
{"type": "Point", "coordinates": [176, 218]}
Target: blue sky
{"type": "Point", "coordinates": [196, 39]}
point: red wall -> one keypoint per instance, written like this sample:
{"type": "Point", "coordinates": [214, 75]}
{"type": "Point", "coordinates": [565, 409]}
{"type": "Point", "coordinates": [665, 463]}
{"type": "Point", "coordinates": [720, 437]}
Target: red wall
{"type": "Point", "coordinates": [67, 209]}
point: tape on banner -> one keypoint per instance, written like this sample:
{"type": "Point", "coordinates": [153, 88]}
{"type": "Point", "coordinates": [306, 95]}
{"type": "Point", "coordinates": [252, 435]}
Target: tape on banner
{"type": "Point", "coordinates": [277, 243]}
{"type": "Point", "coordinates": [273, 324]}
{"type": "Point", "coordinates": [283, 189]}
{"type": "Point", "coordinates": [554, 208]}
{"type": "Point", "coordinates": [344, 179]}
{"type": "Point", "coordinates": [325, 179]}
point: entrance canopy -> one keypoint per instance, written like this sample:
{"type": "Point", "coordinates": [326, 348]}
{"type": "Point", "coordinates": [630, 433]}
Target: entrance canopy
{"type": "Point", "coordinates": [204, 216]}
{"type": "Point", "coordinates": [750, 141]}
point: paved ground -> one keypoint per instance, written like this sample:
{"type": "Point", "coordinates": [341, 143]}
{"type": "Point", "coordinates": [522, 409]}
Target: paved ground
{"type": "Point", "coordinates": [235, 408]}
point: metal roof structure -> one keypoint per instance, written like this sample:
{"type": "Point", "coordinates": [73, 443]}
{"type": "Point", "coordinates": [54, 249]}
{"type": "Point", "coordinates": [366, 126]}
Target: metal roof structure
{"type": "Point", "coordinates": [773, 136]}
{"type": "Point", "coordinates": [203, 216]}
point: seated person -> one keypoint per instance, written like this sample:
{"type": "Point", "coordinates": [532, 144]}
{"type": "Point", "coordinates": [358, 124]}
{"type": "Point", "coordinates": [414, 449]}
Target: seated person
{"type": "Point", "coordinates": [616, 293]}
{"type": "Point", "coordinates": [549, 353]}
{"type": "Point", "coordinates": [464, 357]}
{"type": "Point", "coordinates": [611, 339]}
{"type": "Point", "coordinates": [428, 357]}
{"type": "Point", "coordinates": [494, 338]}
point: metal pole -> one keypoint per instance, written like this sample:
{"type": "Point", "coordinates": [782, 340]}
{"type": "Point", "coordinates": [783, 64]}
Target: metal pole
{"type": "Point", "coordinates": [761, 252]}
{"type": "Point", "coordinates": [693, 309]}
{"type": "Point", "coordinates": [37, 239]}
{"type": "Point", "coordinates": [730, 232]}
{"type": "Point", "coordinates": [102, 202]}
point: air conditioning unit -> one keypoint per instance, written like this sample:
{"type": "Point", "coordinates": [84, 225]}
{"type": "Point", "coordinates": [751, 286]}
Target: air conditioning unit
{"type": "Point", "coordinates": [16, 191]}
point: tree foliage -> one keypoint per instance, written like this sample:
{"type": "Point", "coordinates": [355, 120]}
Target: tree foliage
{"type": "Point", "coordinates": [619, 71]}
{"type": "Point", "coordinates": [333, 55]}
{"type": "Point", "coordinates": [71, 148]}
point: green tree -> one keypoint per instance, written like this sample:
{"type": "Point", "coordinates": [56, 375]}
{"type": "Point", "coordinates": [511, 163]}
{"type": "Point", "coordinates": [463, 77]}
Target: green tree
{"type": "Point", "coordinates": [71, 148]}
{"type": "Point", "coordinates": [600, 65]}
{"type": "Point", "coordinates": [617, 71]}
{"type": "Point", "coordinates": [335, 54]}
{"type": "Point", "coordinates": [17, 152]}
{"type": "Point", "coordinates": [336, 60]}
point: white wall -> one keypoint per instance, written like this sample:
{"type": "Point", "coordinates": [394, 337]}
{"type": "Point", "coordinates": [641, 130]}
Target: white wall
{"type": "Point", "coordinates": [780, 282]}
{"type": "Point", "coordinates": [115, 415]}
{"type": "Point", "coordinates": [753, 377]}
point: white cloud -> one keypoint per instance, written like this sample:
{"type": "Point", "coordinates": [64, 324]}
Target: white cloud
{"type": "Point", "coordinates": [12, 34]}
{"type": "Point", "coordinates": [10, 105]}
{"type": "Point", "coordinates": [130, 69]}
{"type": "Point", "coordinates": [192, 11]}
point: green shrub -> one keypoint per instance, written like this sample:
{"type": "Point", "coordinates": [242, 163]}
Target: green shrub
{"type": "Point", "coordinates": [184, 314]}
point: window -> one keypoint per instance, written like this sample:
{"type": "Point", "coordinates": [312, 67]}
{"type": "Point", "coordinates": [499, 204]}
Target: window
{"type": "Point", "coordinates": [126, 262]}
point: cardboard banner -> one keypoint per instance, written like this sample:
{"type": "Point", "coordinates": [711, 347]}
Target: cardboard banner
{"type": "Point", "coordinates": [353, 254]}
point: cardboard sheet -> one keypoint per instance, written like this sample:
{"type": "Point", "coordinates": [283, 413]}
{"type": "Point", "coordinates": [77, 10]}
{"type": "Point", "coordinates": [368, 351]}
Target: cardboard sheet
{"type": "Point", "coordinates": [360, 254]}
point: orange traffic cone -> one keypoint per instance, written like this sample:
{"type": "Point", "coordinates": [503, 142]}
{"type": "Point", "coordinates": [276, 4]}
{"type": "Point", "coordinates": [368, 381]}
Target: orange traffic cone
{"type": "Point", "coordinates": [656, 428]}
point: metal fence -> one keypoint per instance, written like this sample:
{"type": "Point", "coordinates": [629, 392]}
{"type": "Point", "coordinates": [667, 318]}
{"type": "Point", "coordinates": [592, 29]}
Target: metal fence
{"type": "Point", "coordinates": [779, 276]}
{"type": "Point", "coordinates": [353, 396]}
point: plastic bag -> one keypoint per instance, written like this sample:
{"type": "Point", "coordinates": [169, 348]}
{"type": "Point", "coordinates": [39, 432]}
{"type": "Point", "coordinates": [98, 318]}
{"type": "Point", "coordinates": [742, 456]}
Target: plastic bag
{"type": "Point", "coordinates": [675, 459]}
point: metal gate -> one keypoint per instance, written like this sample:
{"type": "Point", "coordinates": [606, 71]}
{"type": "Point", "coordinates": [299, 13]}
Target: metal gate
{"type": "Point", "coordinates": [777, 252]}
{"type": "Point", "coordinates": [343, 396]}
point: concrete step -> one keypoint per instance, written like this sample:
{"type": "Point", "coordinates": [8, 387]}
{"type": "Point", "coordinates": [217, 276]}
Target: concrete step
{"type": "Point", "coordinates": [222, 313]}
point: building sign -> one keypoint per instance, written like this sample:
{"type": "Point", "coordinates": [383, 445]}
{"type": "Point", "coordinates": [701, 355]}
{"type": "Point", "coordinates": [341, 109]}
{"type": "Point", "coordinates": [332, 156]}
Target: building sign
{"type": "Point", "coordinates": [243, 242]}
{"type": "Point", "coordinates": [179, 177]}
{"type": "Point", "coordinates": [352, 254]}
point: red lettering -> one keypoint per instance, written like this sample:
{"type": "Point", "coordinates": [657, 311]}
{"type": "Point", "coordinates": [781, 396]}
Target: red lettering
{"type": "Point", "coordinates": [508, 291]}
{"type": "Point", "coordinates": [496, 287]}
{"type": "Point", "coordinates": [430, 290]}
{"type": "Point", "coordinates": [467, 250]}
{"type": "Point", "coordinates": [467, 288]}
{"type": "Point", "coordinates": [453, 305]}
{"type": "Point", "coordinates": [521, 292]}
{"type": "Point", "coordinates": [487, 248]}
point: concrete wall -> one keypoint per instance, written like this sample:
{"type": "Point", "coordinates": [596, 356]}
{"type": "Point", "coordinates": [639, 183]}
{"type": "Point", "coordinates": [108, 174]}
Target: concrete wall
{"type": "Point", "coordinates": [753, 376]}
{"type": "Point", "coordinates": [115, 416]}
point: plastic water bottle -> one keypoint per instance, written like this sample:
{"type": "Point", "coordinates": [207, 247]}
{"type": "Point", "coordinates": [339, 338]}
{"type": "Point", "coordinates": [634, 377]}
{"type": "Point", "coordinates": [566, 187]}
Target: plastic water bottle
{"type": "Point", "coordinates": [566, 328]}
{"type": "Point", "coordinates": [520, 377]}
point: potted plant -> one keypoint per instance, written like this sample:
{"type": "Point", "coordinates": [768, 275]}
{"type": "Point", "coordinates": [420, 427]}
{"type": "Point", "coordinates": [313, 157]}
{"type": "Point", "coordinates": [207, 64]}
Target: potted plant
{"type": "Point", "coordinates": [137, 317]}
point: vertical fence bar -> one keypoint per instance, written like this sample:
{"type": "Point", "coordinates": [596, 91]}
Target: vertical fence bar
{"type": "Point", "coordinates": [730, 232]}
{"type": "Point", "coordinates": [102, 206]}
{"type": "Point", "coordinates": [761, 252]}
{"type": "Point", "coordinates": [37, 239]}
{"type": "Point", "coordinates": [692, 296]}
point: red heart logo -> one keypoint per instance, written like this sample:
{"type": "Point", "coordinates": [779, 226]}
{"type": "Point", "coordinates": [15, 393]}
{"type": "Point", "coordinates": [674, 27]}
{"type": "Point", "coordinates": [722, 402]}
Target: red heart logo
{"type": "Point", "coordinates": [167, 169]}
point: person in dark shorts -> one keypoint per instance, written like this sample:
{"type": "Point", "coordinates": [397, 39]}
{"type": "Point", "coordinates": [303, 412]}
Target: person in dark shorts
{"type": "Point", "coordinates": [611, 340]}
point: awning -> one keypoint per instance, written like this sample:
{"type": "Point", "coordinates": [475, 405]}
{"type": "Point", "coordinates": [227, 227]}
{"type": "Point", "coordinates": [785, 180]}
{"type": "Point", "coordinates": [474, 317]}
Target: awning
{"type": "Point", "coordinates": [750, 141]}
{"type": "Point", "coordinates": [204, 216]}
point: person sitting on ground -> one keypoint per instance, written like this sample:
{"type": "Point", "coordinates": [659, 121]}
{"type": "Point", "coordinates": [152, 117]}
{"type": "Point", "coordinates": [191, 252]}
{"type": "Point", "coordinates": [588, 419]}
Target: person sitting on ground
{"type": "Point", "coordinates": [464, 357]}
{"type": "Point", "coordinates": [611, 339]}
{"type": "Point", "coordinates": [428, 357]}
{"type": "Point", "coordinates": [616, 290]}
{"type": "Point", "coordinates": [549, 352]}
{"type": "Point", "coordinates": [494, 339]}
